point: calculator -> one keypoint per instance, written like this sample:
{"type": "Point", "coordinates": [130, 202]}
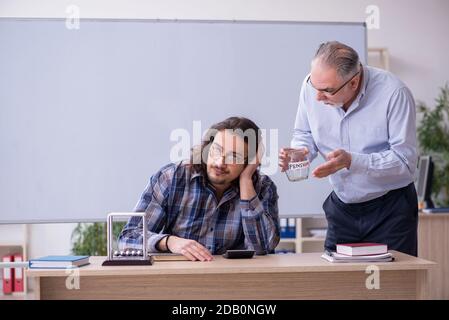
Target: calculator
{"type": "Point", "coordinates": [239, 254]}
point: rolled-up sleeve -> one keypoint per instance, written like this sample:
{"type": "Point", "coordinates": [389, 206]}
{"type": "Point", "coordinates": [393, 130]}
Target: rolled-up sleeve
{"type": "Point", "coordinates": [401, 159]}
{"type": "Point", "coordinates": [260, 220]}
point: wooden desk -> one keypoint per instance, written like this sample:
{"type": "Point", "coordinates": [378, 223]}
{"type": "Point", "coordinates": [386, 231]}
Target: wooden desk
{"type": "Point", "coordinates": [433, 244]}
{"type": "Point", "coordinates": [290, 276]}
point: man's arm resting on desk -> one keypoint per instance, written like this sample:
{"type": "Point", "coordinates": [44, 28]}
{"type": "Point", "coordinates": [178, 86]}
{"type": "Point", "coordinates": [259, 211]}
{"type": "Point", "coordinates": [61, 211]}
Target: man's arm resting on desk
{"type": "Point", "coordinates": [131, 237]}
{"type": "Point", "coordinates": [187, 247]}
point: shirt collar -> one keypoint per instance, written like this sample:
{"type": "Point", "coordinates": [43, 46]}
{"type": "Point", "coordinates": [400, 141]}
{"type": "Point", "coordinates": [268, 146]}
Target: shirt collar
{"type": "Point", "coordinates": [200, 175]}
{"type": "Point", "coordinates": [195, 175]}
{"type": "Point", "coordinates": [356, 102]}
{"type": "Point", "coordinates": [230, 193]}
{"type": "Point", "coordinates": [364, 81]}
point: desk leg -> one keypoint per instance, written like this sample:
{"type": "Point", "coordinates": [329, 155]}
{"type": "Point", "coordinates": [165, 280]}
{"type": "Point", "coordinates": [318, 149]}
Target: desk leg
{"type": "Point", "coordinates": [37, 288]}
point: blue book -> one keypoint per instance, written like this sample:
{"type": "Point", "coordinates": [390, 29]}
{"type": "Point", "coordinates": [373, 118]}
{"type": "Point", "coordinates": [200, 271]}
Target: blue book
{"type": "Point", "coordinates": [283, 225]}
{"type": "Point", "coordinates": [59, 262]}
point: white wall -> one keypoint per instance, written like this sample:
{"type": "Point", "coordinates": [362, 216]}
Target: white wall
{"type": "Point", "coordinates": [415, 32]}
{"type": "Point", "coordinates": [42, 239]}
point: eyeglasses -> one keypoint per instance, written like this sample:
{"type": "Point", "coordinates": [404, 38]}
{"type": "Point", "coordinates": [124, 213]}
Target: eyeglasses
{"type": "Point", "coordinates": [328, 92]}
{"type": "Point", "coordinates": [216, 152]}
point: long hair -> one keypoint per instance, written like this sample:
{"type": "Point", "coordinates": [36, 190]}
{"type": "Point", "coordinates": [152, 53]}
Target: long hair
{"type": "Point", "coordinates": [240, 126]}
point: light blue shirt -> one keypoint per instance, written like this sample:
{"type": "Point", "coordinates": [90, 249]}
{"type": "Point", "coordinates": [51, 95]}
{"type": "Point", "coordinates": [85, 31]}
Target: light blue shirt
{"type": "Point", "coordinates": [378, 129]}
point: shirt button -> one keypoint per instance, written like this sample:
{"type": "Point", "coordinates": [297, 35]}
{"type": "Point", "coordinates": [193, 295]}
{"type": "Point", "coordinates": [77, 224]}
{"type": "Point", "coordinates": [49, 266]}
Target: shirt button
{"type": "Point", "coordinates": [211, 229]}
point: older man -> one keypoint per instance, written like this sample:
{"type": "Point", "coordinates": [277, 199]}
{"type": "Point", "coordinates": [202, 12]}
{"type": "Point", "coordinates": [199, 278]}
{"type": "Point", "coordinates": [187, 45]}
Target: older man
{"type": "Point", "coordinates": [362, 121]}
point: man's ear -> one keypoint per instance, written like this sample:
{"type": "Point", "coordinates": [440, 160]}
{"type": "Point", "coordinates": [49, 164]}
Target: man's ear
{"type": "Point", "coordinates": [354, 83]}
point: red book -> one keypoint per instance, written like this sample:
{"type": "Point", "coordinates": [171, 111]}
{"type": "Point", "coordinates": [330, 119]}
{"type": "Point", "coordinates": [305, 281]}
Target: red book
{"type": "Point", "coordinates": [361, 249]}
{"type": "Point", "coordinates": [8, 276]}
{"type": "Point", "coordinates": [18, 274]}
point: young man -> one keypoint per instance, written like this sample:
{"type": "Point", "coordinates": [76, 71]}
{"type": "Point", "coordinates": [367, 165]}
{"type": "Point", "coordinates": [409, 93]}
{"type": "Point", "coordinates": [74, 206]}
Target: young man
{"type": "Point", "coordinates": [215, 201]}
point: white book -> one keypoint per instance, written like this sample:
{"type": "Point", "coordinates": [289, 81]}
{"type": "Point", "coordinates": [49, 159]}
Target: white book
{"type": "Point", "coordinates": [361, 249]}
{"type": "Point", "coordinates": [340, 258]}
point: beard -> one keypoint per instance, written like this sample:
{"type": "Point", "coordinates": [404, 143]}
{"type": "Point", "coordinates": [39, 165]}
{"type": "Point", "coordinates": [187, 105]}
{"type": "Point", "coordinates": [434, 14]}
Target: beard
{"type": "Point", "coordinates": [334, 104]}
{"type": "Point", "coordinates": [221, 179]}
{"type": "Point", "coordinates": [218, 181]}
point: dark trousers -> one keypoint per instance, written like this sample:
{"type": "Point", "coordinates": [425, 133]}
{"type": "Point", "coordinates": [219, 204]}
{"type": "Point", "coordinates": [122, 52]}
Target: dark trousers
{"type": "Point", "coordinates": [391, 219]}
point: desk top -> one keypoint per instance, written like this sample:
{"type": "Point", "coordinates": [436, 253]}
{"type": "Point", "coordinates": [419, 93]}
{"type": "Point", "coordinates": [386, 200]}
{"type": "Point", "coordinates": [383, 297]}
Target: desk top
{"type": "Point", "coordinates": [433, 215]}
{"type": "Point", "coordinates": [302, 262]}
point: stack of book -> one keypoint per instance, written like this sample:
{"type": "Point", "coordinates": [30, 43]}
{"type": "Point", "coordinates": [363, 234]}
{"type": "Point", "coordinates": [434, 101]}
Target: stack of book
{"type": "Point", "coordinates": [359, 252]}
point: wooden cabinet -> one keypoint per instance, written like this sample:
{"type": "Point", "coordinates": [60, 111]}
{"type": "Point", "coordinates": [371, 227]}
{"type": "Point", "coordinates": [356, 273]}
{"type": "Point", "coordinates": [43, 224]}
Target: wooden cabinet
{"type": "Point", "coordinates": [433, 244]}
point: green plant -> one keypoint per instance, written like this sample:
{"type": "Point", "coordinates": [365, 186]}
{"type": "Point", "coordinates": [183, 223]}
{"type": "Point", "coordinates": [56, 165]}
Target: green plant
{"type": "Point", "coordinates": [433, 137]}
{"type": "Point", "coordinates": [90, 238]}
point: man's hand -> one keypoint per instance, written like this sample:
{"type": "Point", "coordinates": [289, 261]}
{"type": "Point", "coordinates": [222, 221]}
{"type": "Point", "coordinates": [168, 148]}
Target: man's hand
{"type": "Point", "coordinates": [247, 191]}
{"type": "Point", "coordinates": [336, 160]}
{"type": "Point", "coordinates": [188, 248]}
{"type": "Point", "coordinates": [251, 168]}
{"type": "Point", "coordinates": [284, 159]}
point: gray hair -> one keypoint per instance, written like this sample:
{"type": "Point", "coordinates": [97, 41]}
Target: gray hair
{"type": "Point", "coordinates": [339, 56]}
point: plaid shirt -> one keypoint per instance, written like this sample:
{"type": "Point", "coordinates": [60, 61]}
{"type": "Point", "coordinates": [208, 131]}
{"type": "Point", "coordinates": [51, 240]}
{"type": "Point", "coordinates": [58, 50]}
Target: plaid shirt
{"type": "Point", "coordinates": [180, 202]}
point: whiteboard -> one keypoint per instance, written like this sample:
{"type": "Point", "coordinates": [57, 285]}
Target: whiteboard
{"type": "Point", "coordinates": [86, 115]}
